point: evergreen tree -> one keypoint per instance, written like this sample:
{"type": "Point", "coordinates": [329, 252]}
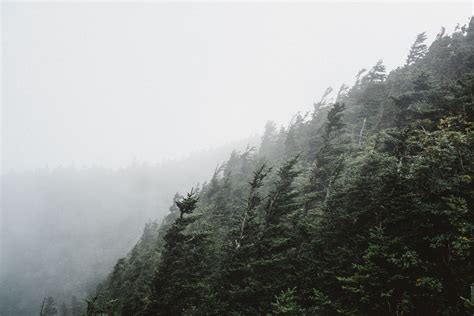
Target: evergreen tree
{"type": "Point", "coordinates": [373, 218]}
{"type": "Point", "coordinates": [328, 161]}
{"type": "Point", "coordinates": [277, 243]}
{"type": "Point", "coordinates": [418, 49]}
{"type": "Point", "coordinates": [376, 74]}
{"type": "Point", "coordinates": [49, 307]}
{"type": "Point", "coordinates": [179, 283]}
{"type": "Point", "coordinates": [235, 284]}
{"type": "Point", "coordinates": [269, 139]}
{"type": "Point", "coordinates": [286, 304]}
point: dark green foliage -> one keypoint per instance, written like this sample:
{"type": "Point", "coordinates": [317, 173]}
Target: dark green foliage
{"type": "Point", "coordinates": [235, 282]}
{"type": "Point", "coordinates": [127, 290]}
{"type": "Point", "coordinates": [327, 163]}
{"type": "Point", "coordinates": [369, 209]}
{"type": "Point", "coordinates": [276, 245]}
{"type": "Point", "coordinates": [179, 284]}
{"type": "Point", "coordinates": [187, 204]}
{"type": "Point", "coordinates": [286, 304]}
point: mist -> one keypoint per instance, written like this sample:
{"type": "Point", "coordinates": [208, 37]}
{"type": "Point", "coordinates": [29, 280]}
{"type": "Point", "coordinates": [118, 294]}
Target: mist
{"type": "Point", "coordinates": [108, 84]}
{"type": "Point", "coordinates": [110, 108]}
{"type": "Point", "coordinates": [63, 228]}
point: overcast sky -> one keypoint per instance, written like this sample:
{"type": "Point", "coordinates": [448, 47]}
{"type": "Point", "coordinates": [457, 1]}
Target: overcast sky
{"type": "Point", "coordinates": [109, 83]}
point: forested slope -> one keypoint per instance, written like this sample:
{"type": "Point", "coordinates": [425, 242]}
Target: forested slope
{"type": "Point", "coordinates": [64, 228]}
{"type": "Point", "coordinates": [362, 207]}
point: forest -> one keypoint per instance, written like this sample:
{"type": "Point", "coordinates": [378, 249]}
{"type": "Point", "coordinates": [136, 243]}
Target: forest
{"type": "Point", "coordinates": [362, 207]}
{"type": "Point", "coordinates": [48, 250]}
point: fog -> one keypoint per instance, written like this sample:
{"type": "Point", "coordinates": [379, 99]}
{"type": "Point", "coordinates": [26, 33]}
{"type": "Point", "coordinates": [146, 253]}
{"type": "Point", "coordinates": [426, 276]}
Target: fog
{"type": "Point", "coordinates": [110, 108]}
{"type": "Point", "coordinates": [111, 83]}
{"type": "Point", "coordinates": [64, 228]}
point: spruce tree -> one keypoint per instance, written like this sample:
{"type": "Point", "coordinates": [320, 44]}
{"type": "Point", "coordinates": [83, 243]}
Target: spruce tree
{"type": "Point", "coordinates": [276, 245]}
{"type": "Point", "coordinates": [328, 161]}
{"type": "Point", "coordinates": [417, 50]}
{"type": "Point", "coordinates": [179, 283]}
{"type": "Point", "coordinates": [235, 284]}
{"type": "Point", "coordinates": [386, 227]}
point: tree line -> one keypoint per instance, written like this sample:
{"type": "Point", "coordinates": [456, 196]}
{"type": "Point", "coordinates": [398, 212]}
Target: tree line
{"type": "Point", "coordinates": [362, 207]}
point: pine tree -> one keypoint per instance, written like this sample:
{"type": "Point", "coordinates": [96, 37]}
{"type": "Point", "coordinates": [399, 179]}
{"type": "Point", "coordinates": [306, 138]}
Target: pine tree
{"type": "Point", "coordinates": [179, 283]}
{"type": "Point", "coordinates": [376, 74]}
{"type": "Point", "coordinates": [418, 50]}
{"type": "Point", "coordinates": [277, 243]}
{"type": "Point", "coordinates": [386, 226]}
{"type": "Point", "coordinates": [235, 283]}
{"type": "Point", "coordinates": [269, 139]}
{"type": "Point", "coordinates": [375, 284]}
{"type": "Point", "coordinates": [328, 161]}
{"type": "Point", "coordinates": [286, 304]}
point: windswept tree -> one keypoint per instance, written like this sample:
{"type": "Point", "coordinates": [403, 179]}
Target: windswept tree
{"type": "Point", "coordinates": [328, 161]}
{"type": "Point", "coordinates": [376, 73]}
{"type": "Point", "coordinates": [234, 283]}
{"type": "Point", "coordinates": [277, 241]}
{"type": "Point", "coordinates": [418, 50]}
{"type": "Point", "coordinates": [179, 283]}
{"type": "Point", "coordinates": [374, 217]}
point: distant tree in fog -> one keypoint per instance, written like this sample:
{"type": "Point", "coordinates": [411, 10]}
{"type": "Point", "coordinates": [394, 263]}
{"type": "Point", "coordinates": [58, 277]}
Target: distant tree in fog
{"type": "Point", "coordinates": [63, 310]}
{"type": "Point", "coordinates": [75, 307]}
{"type": "Point", "coordinates": [49, 307]}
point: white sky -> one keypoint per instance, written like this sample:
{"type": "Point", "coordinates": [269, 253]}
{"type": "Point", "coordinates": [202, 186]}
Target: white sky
{"type": "Point", "coordinates": [112, 82]}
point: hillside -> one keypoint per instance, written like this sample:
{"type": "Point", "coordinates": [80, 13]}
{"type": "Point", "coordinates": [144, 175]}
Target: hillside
{"type": "Point", "coordinates": [362, 207]}
{"type": "Point", "coordinates": [64, 228]}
